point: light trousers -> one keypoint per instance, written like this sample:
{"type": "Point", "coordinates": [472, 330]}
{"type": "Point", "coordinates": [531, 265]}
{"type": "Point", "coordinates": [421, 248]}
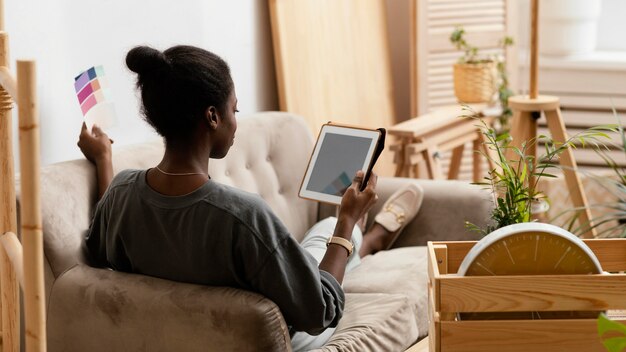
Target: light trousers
{"type": "Point", "coordinates": [314, 242]}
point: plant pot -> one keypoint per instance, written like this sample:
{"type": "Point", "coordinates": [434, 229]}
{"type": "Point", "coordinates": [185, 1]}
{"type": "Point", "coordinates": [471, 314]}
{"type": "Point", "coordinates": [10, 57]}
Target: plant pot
{"type": "Point", "coordinates": [475, 82]}
{"type": "Point", "coordinates": [568, 27]}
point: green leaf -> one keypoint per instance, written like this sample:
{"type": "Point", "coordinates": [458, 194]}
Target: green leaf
{"type": "Point", "coordinates": [502, 137]}
{"type": "Point", "coordinates": [605, 325]}
{"type": "Point", "coordinates": [615, 344]}
{"type": "Point", "coordinates": [612, 344]}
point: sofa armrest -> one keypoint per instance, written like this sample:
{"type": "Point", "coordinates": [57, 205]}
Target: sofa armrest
{"type": "Point", "coordinates": [94, 309]}
{"type": "Point", "coordinates": [446, 207]}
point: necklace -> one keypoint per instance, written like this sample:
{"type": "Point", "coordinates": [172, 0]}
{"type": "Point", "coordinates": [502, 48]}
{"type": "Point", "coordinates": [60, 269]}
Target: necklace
{"type": "Point", "coordinates": [181, 174]}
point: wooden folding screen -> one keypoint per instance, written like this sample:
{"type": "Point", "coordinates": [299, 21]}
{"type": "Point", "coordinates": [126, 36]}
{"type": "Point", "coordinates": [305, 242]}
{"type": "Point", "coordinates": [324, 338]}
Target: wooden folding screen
{"type": "Point", "coordinates": [332, 63]}
{"type": "Point", "coordinates": [432, 54]}
{"type": "Point", "coordinates": [486, 22]}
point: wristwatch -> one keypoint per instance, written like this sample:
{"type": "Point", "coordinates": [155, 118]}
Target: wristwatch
{"type": "Point", "coordinates": [342, 242]}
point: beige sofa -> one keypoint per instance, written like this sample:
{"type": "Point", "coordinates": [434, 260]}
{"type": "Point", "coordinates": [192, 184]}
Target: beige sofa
{"type": "Point", "coordinates": [93, 309]}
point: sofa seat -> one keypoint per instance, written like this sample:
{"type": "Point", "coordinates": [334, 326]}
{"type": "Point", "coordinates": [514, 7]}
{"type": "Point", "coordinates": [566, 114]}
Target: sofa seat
{"type": "Point", "coordinates": [374, 322]}
{"type": "Point", "coordinates": [400, 271]}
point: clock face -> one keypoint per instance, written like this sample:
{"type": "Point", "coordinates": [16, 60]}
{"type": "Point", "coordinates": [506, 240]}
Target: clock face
{"type": "Point", "coordinates": [529, 249]}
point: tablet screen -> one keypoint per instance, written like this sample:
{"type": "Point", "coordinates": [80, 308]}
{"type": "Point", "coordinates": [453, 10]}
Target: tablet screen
{"type": "Point", "coordinates": [339, 153]}
{"type": "Point", "coordinates": [339, 158]}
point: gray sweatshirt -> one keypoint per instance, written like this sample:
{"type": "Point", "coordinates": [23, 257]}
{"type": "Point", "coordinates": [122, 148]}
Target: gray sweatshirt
{"type": "Point", "coordinates": [216, 235]}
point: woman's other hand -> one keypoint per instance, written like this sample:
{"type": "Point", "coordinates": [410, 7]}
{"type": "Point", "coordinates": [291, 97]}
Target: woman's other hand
{"type": "Point", "coordinates": [355, 203]}
{"type": "Point", "coordinates": [96, 146]}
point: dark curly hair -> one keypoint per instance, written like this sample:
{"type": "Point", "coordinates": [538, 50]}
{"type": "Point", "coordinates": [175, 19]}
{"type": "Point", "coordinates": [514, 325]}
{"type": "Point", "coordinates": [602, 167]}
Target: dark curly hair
{"type": "Point", "coordinates": [178, 85]}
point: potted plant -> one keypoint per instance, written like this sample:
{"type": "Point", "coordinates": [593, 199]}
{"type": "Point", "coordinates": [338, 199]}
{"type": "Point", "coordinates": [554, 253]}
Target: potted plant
{"type": "Point", "coordinates": [513, 183]}
{"type": "Point", "coordinates": [478, 77]}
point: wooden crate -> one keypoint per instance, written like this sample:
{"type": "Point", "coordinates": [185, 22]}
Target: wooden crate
{"type": "Point", "coordinates": [449, 294]}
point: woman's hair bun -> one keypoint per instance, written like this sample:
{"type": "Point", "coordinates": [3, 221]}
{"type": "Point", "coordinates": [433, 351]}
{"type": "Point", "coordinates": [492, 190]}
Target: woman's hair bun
{"type": "Point", "coordinates": [144, 59]}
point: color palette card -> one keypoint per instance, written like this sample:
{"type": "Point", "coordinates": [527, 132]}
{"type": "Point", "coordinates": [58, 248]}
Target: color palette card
{"type": "Point", "coordinates": [94, 98]}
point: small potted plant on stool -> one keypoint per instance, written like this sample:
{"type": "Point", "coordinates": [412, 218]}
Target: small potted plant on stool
{"type": "Point", "coordinates": [478, 77]}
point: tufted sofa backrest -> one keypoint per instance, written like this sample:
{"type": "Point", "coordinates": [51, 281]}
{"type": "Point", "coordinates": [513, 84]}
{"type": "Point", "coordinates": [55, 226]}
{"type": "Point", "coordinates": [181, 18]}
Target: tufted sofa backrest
{"type": "Point", "coordinates": [269, 157]}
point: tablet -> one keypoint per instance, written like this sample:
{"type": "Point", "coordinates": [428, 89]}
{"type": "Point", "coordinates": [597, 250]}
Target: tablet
{"type": "Point", "coordinates": [340, 151]}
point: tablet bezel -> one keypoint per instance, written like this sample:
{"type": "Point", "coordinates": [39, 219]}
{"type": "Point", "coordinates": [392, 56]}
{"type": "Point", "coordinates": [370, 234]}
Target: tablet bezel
{"type": "Point", "coordinates": [373, 135]}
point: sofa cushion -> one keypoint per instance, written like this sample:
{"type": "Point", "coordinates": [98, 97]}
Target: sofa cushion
{"type": "Point", "coordinates": [398, 271]}
{"type": "Point", "coordinates": [374, 322]}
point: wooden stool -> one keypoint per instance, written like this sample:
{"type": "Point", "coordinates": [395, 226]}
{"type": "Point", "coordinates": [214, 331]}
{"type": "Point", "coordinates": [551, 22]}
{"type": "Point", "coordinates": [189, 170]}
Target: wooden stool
{"type": "Point", "coordinates": [426, 137]}
{"type": "Point", "coordinates": [525, 114]}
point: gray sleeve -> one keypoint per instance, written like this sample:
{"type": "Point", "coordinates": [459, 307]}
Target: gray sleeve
{"type": "Point", "coordinates": [102, 250]}
{"type": "Point", "coordinates": [310, 299]}
{"type": "Point", "coordinates": [95, 244]}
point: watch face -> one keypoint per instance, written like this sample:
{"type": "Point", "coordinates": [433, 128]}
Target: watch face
{"type": "Point", "coordinates": [529, 249]}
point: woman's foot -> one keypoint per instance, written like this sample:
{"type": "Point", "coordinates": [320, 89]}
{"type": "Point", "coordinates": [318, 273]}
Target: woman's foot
{"type": "Point", "coordinates": [396, 213]}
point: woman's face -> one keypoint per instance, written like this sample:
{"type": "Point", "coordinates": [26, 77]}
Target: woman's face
{"type": "Point", "coordinates": [224, 136]}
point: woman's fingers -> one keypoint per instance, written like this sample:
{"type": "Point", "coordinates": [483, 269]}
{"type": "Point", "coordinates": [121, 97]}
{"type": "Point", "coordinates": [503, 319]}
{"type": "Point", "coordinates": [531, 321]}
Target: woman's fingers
{"type": "Point", "coordinates": [96, 131]}
{"type": "Point", "coordinates": [83, 131]}
{"type": "Point", "coordinates": [373, 180]}
{"type": "Point", "coordinates": [358, 179]}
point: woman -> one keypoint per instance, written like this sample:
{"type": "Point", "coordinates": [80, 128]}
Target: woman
{"type": "Point", "coordinates": [173, 222]}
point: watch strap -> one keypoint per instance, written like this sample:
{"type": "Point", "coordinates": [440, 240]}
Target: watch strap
{"type": "Point", "coordinates": [341, 242]}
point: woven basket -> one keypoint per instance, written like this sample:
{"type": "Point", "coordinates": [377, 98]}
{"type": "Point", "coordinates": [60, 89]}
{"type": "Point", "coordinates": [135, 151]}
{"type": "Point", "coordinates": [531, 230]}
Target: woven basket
{"type": "Point", "coordinates": [475, 83]}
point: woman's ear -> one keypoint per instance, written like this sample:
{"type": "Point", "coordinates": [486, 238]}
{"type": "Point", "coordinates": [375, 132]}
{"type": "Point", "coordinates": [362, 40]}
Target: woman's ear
{"type": "Point", "coordinates": [211, 117]}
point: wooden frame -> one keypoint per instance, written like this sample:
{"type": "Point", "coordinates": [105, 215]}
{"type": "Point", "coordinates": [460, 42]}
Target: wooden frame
{"type": "Point", "coordinates": [26, 267]}
{"type": "Point", "coordinates": [449, 294]}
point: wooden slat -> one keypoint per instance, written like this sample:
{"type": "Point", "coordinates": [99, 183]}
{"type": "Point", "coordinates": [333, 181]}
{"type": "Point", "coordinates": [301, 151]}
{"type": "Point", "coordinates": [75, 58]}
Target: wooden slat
{"type": "Point", "coordinates": [521, 336]}
{"type": "Point", "coordinates": [580, 101]}
{"type": "Point", "coordinates": [520, 293]}
{"type": "Point", "coordinates": [588, 81]}
{"type": "Point", "coordinates": [579, 118]}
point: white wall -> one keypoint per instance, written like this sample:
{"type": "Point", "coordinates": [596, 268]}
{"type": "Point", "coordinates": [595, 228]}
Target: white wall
{"type": "Point", "coordinates": [611, 26]}
{"type": "Point", "coordinates": [66, 37]}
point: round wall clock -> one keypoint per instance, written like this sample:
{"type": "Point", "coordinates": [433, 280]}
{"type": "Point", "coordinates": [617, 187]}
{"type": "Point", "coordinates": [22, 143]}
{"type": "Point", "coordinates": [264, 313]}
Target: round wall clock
{"type": "Point", "coordinates": [529, 249]}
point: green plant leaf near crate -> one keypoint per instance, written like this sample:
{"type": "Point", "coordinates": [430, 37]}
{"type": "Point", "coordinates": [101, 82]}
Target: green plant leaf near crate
{"type": "Point", "coordinates": [607, 326]}
{"type": "Point", "coordinates": [480, 64]}
{"type": "Point", "coordinates": [513, 182]}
